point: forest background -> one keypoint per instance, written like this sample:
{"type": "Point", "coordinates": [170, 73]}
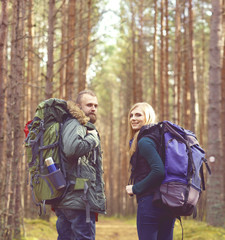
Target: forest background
{"type": "Point", "coordinates": [169, 53]}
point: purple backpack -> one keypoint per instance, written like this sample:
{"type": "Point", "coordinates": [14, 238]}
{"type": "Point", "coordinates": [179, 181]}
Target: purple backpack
{"type": "Point", "coordinates": [184, 180]}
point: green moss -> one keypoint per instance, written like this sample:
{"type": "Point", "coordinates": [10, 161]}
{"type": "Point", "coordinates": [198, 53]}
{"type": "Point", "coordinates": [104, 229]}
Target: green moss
{"type": "Point", "coordinates": [38, 229]}
{"type": "Point", "coordinates": [193, 230]}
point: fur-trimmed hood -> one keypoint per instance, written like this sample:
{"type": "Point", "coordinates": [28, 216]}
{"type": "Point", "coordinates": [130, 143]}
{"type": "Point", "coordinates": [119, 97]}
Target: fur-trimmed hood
{"type": "Point", "coordinates": [76, 112]}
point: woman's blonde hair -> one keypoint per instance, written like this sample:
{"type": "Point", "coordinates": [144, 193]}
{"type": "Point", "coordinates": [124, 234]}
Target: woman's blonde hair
{"type": "Point", "coordinates": [150, 117]}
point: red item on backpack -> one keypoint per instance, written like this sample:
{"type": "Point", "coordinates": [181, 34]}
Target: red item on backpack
{"type": "Point", "coordinates": [26, 130]}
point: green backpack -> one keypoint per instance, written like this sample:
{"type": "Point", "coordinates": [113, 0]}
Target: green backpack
{"type": "Point", "coordinates": [43, 142]}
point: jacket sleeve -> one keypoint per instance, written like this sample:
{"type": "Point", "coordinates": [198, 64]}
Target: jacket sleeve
{"type": "Point", "coordinates": [75, 140]}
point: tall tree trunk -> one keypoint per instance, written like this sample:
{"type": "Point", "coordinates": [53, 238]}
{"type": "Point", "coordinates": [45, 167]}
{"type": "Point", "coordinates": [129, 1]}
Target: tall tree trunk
{"type": "Point", "coordinates": [201, 88]}
{"type": "Point", "coordinates": [18, 125]}
{"type": "Point", "coordinates": [7, 183]}
{"type": "Point", "coordinates": [166, 115]}
{"type": "Point", "coordinates": [140, 53]}
{"type": "Point", "coordinates": [191, 68]}
{"type": "Point", "coordinates": [134, 74]}
{"type": "Point", "coordinates": [62, 73]}
{"type": "Point", "coordinates": [177, 67]}
{"type": "Point", "coordinates": [18, 80]}
{"type": "Point", "coordinates": [107, 170]}
{"type": "Point", "coordinates": [112, 180]}
{"type": "Point", "coordinates": [223, 93]}
{"type": "Point", "coordinates": [202, 82]}
{"type": "Point", "coordinates": [14, 141]}
{"type": "Point", "coordinates": [30, 64]}
{"type": "Point", "coordinates": [87, 40]}
{"type": "Point", "coordinates": [81, 82]}
{"type": "Point", "coordinates": [50, 62]}
{"type": "Point", "coordinates": [3, 37]}
{"type": "Point", "coordinates": [186, 93]}
{"type": "Point", "coordinates": [162, 69]}
{"type": "Point", "coordinates": [70, 65]}
{"type": "Point", "coordinates": [215, 189]}
{"type": "Point", "coordinates": [123, 153]}
{"type": "Point", "coordinates": [10, 193]}
{"type": "Point", "coordinates": [155, 60]}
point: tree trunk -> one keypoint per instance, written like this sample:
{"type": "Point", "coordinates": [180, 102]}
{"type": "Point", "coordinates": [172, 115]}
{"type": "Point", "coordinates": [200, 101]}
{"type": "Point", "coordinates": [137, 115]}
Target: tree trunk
{"type": "Point", "coordinates": [186, 93]}
{"type": "Point", "coordinates": [18, 80]}
{"type": "Point", "coordinates": [140, 53]}
{"type": "Point", "coordinates": [191, 69]}
{"type": "Point", "coordinates": [29, 95]}
{"type": "Point", "coordinates": [62, 73]}
{"type": "Point", "coordinates": [134, 74]}
{"type": "Point", "coordinates": [215, 189]}
{"type": "Point", "coordinates": [3, 37]}
{"type": "Point", "coordinates": [123, 177]}
{"type": "Point", "coordinates": [7, 226]}
{"type": "Point", "coordinates": [177, 68]}
{"type": "Point", "coordinates": [166, 97]}
{"type": "Point", "coordinates": [70, 64]}
{"type": "Point", "coordinates": [162, 69]}
{"type": "Point", "coordinates": [223, 95]}
{"type": "Point", "coordinates": [14, 141]}
{"type": "Point", "coordinates": [202, 82]}
{"type": "Point", "coordinates": [155, 60]}
{"type": "Point", "coordinates": [201, 87]}
{"type": "Point", "coordinates": [87, 46]}
{"type": "Point", "coordinates": [50, 62]}
{"type": "Point", "coordinates": [112, 180]}
{"type": "Point", "coordinates": [81, 82]}
{"type": "Point", "coordinates": [9, 187]}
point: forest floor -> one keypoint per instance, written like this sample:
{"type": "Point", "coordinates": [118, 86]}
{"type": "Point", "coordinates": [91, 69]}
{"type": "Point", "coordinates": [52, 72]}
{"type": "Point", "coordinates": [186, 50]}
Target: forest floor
{"type": "Point", "coordinates": [123, 229]}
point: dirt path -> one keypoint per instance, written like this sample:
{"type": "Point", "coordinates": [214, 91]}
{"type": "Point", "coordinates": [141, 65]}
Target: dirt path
{"type": "Point", "coordinates": [115, 230]}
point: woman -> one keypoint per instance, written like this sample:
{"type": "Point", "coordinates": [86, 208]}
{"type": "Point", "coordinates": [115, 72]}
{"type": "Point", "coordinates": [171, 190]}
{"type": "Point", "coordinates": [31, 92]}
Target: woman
{"type": "Point", "coordinates": [153, 223]}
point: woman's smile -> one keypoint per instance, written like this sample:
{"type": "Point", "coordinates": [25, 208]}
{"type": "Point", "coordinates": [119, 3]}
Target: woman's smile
{"type": "Point", "coordinates": [137, 118]}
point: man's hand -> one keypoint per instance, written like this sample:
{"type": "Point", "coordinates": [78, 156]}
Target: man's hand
{"type": "Point", "coordinates": [95, 134]}
{"type": "Point", "coordinates": [129, 190]}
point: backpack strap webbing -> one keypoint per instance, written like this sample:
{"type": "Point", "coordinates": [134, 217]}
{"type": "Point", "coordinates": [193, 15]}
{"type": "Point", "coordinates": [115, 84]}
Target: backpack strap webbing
{"type": "Point", "coordinates": [87, 205]}
{"type": "Point", "coordinates": [41, 160]}
{"type": "Point", "coordinates": [35, 145]}
{"type": "Point", "coordinates": [182, 229]}
{"type": "Point", "coordinates": [62, 163]}
{"type": "Point", "coordinates": [162, 144]}
{"type": "Point", "coordinates": [207, 166]}
{"type": "Point", "coordinates": [202, 173]}
{"type": "Point", "coordinates": [84, 197]}
{"type": "Point", "coordinates": [202, 177]}
{"type": "Point", "coordinates": [195, 212]}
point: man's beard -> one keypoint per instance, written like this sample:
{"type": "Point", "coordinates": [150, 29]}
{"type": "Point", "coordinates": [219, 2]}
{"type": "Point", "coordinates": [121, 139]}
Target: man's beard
{"type": "Point", "coordinates": [92, 117]}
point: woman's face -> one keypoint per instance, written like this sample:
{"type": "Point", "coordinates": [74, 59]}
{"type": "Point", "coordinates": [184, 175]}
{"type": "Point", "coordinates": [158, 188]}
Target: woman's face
{"type": "Point", "coordinates": [137, 118]}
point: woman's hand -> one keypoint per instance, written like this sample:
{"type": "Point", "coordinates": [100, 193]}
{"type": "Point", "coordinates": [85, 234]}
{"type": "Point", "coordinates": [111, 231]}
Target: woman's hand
{"type": "Point", "coordinates": [129, 190]}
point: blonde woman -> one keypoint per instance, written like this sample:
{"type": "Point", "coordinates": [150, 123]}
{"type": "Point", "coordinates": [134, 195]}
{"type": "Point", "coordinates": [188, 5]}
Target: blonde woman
{"type": "Point", "coordinates": [147, 173]}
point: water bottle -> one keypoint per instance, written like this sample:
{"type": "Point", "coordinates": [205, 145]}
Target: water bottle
{"type": "Point", "coordinates": [50, 164]}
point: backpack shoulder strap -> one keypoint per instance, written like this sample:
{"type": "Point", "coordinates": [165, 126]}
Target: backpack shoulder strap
{"type": "Point", "coordinates": [182, 230]}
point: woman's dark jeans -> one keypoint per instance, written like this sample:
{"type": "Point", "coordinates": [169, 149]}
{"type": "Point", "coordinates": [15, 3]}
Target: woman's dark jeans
{"type": "Point", "coordinates": [71, 225]}
{"type": "Point", "coordinates": [153, 223]}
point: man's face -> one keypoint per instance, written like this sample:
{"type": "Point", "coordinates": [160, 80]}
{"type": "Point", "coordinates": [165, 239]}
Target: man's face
{"type": "Point", "coordinates": [89, 105]}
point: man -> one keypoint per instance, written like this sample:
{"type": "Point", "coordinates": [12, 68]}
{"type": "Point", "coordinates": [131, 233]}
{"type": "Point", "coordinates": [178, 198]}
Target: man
{"type": "Point", "coordinates": [85, 198]}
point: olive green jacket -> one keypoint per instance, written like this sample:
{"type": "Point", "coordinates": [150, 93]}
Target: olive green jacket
{"type": "Point", "coordinates": [83, 159]}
